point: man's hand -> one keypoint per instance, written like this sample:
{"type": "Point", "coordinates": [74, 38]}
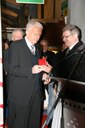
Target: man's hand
{"type": "Point", "coordinates": [37, 69]}
{"type": "Point", "coordinates": [46, 78]}
{"type": "Point", "coordinates": [47, 68]}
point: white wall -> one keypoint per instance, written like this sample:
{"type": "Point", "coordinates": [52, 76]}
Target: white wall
{"type": "Point", "coordinates": [76, 14]}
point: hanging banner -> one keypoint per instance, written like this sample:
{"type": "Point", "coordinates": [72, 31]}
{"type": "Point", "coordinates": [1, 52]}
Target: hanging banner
{"type": "Point", "coordinates": [64, 8]}
{"type": "Point", "coordinates": [1, 78]}
{"type": "Point", "coordinates": [31, 1]}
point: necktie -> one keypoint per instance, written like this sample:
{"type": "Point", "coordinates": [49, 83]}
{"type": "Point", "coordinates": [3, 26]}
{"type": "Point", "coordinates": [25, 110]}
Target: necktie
{"type": "Point", "coordinates": [33, 49]}
{"type": "Point", "coordinates": [67, 51]}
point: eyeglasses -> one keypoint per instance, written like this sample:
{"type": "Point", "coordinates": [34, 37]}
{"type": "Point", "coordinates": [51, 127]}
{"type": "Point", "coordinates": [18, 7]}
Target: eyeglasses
{"type": "Point", "coordinates": [66, 36]}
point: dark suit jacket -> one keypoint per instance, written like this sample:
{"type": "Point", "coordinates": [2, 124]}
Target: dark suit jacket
{"type": "Point", "coordinates": [21, 80]}
{"type": "Point", "coordinates": [65, 65]}
{"type": "Point", "coordinates": [6, 59]}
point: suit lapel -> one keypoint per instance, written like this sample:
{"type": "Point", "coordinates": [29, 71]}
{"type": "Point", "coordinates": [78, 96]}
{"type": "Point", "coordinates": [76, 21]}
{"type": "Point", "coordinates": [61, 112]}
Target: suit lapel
{"type": "Point", "coordinates": [73, 50]}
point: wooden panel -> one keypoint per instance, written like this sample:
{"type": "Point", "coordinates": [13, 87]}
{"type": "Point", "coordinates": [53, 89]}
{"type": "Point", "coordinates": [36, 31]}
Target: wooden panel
{"type": "Point", "coordinates": [13, 2]}
{"type": "Point", "coordinates": [7, 21]}
{"type": "Point", "coordinates": [53, 33]}
{"type": "Point", "coordinates": [39, 11]}
{"type": "Point", "coordinates": [58, 8]}
{"type": "Point", "coordinates": [9, 12]}
{"type": "Point", "coordinates": [48, 9]}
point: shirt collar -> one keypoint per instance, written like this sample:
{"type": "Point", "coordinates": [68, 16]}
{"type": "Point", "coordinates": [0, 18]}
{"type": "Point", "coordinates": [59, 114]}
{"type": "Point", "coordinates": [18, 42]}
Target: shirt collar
{"type": "Point", "coordinates": [29, 44]}
{"type": "Point", "coordinates": [72, 46]}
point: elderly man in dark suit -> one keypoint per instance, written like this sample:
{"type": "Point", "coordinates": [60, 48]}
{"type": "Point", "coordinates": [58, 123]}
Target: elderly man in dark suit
{"type": "Point", "coordinates": [24, 93]}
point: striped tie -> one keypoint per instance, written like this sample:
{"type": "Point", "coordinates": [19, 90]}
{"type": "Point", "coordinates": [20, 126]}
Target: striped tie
{"type": "Point", "coordinates": [33, 49]}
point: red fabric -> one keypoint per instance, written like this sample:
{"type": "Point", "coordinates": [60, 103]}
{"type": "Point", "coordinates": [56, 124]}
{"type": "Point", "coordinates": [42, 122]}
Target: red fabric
{"type": "Point", "coordinates": [1, 83]}
{"type": "Point", "coordinates": [43, 119]}
{"type": "Point", "coordinates": [1, 106]}
{"type": "Point", "coordinates": [42, 61]}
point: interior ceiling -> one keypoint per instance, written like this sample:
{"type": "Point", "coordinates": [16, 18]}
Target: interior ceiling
{"type": "Point", "coordinates": [15, 15]}
{"type": "Point", "coordinates": [10, 11]}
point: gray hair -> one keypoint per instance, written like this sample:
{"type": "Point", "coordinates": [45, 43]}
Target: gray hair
{"type": "Point", "coordinates": [73, 29]}
{"type": "Point", "coordinates": [32, 23]}
{"type": "Point", "coordinates": [18, 30]}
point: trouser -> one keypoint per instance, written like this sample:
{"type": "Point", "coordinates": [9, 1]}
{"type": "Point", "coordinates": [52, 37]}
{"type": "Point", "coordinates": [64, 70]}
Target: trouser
{"type": "Point", "coordinates": [52, 97]}
{"type": "Point", "coordinates": [25, 116]}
